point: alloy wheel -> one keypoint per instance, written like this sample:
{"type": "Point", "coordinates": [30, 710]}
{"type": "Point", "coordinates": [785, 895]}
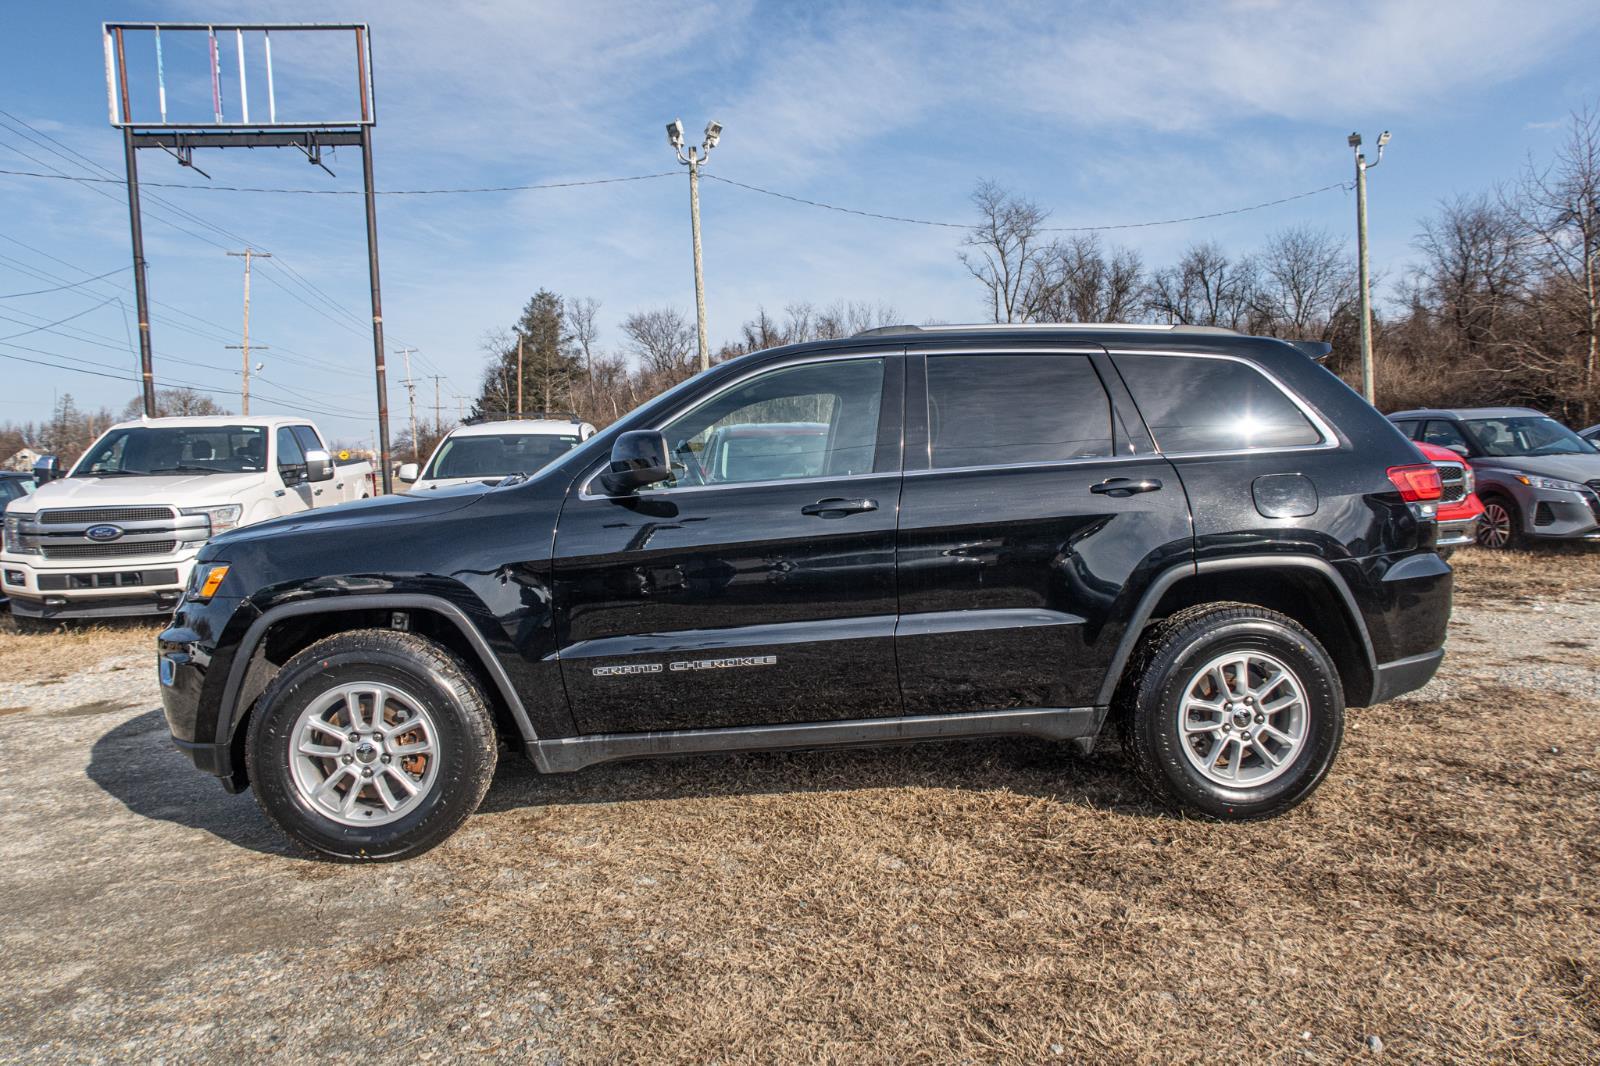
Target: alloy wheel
{"type": "Point", "coordinates": [1494, 529]}
{"type": "Point", "coordinates": [1244, 719]}
{"type": "Point", "coordinates": [364, 754]}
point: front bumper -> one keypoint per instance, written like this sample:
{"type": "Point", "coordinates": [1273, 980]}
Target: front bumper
{"type": "Point", "coordinates": [192, 670]}
{"type": "Point", "coordinates": [1557, 514]}
{"type": "Point", "coordinates": [99, 589]}
{"type": "Point", "coordinates": [1454, 532]}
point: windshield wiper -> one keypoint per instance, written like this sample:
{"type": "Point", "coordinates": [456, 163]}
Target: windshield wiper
{"type": "Point", "coordinates": [181, 469]}
{"type": "Point", "coordinates": [111, 473]}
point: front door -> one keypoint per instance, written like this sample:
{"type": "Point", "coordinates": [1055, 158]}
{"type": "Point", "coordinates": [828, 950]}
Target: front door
{"type": "Point", "coordinates": [757, 586]}
{"type": "Point", "coordinates": [295, 491]}
{"type": "Point", "coordinates": [1028, 508]}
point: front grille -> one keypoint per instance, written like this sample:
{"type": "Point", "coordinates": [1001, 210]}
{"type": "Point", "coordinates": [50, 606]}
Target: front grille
{"type": "Point", "coordinates": [1453, 479]}
{"type": "Point", "coordinates": [92, 515]}
{"type": "Point", "coordinates": [106, 551]}
{"type": "Point", "coordinates": [118, 580]}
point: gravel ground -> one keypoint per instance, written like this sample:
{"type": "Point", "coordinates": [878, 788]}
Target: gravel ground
{"type": "Point", "coordinates": [150, 916]}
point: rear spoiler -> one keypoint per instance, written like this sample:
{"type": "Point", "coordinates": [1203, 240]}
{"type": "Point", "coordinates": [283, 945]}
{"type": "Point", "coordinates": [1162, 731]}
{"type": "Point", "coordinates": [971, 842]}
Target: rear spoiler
{"type": "Point", "coordinates": [1316, 351]}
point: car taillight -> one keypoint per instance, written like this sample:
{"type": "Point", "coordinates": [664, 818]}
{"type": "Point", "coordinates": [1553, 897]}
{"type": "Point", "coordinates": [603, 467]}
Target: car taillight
{"type": "Point", "coordinates": [1417, 483]}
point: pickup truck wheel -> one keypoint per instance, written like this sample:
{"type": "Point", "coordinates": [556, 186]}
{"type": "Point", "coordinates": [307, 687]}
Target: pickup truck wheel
{"type": "Point", "coordinates": [1232, 712]}
{"type": "Point", "coordinates": [371, 745]}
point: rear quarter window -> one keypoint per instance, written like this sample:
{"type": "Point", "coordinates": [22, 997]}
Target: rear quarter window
{"type": "Point", "coordinates": [1200, 404]}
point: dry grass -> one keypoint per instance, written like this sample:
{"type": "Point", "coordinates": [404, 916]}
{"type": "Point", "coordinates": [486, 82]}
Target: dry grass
{"type": "Point", "coordinates": [68, 649]}
{"type": "Point", "coordinates": [1002, 902]}
{"type": "Point", "coordinates": [1487, 578]}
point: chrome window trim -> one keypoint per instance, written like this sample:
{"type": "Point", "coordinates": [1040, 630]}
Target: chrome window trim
{"type": "Point", "coordinates": [1330, 437]}
{"type": "Point", "coordinates": [1044, 464]}
{"type": "Point", "coordinates": [785, 364]}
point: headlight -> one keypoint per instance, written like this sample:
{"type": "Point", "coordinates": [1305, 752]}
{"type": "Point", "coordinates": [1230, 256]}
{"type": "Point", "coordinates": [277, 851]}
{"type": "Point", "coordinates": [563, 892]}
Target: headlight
{"type": "Point", "coordinates": [222, 517]}
{"type": "Point", "coordinates": [204, 581]}
{"type": "Point", "coordinates": [1553, 483]}
{"type": "Point", "coordinates": [15, 542]}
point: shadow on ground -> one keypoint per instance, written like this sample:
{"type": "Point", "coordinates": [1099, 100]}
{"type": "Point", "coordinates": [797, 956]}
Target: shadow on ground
{"type": "Point", "coordinates": [137, 764]}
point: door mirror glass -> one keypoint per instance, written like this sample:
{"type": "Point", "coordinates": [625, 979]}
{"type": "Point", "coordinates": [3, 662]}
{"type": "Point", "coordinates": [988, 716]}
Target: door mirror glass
{"type": "Point", "coordinates": [408, 472]}
{"type": "Point", "coordinates": [46, 468]}
{"type": "Point", "coordinates": [319, 466]}
{"type": "Point", "coordinates": [638, 460]}
{"type": "Point", "coordinates": [1459, 449]}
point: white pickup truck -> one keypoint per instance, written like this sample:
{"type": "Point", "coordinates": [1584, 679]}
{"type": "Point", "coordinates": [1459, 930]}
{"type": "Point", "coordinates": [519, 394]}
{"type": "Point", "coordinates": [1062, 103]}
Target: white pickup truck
{"type": "Point", "coordinates": [118, 535]}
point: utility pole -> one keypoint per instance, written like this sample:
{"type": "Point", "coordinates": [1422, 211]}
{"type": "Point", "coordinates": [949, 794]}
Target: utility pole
{"type": "Point", "coordinates": [411, 398]}
{"type": "Point", "coordinates": [1368, 384]}
{"type": "Point", "coordinates": [438, 407]}
{"type": "Point", "coordinates": [244, 390]}
{"type": "Point", "coordinates": [140, 289]}
{"type": "Point", "coordinates": [519, 375]}
{"type": "Point", "coordinates": [693, 162]}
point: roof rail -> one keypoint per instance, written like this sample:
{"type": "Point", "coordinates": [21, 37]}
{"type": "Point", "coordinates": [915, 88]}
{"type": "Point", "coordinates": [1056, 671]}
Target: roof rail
{"type": "Point", "coordinates": [1088, 327]}
{"type": "Point", "coordinates": [512, 416]}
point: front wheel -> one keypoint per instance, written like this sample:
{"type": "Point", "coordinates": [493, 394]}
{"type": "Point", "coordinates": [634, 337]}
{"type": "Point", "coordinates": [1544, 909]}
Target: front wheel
{"type": "Point", "coordinates": [1233, 712]}
{"type": "Point", "coordinates": [1498, 527]}
{"type": "Point", "coordinates": [371, 745]}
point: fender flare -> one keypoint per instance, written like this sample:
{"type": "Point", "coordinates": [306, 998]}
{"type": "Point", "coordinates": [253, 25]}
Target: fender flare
{"type": "Point", "coordinates": [230, 712]}
{"type": "Point", "coordinates": [1173, 574]}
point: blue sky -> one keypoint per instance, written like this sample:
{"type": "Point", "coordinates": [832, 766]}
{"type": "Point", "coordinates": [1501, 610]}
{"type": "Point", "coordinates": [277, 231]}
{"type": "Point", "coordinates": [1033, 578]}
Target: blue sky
{"type": "Point", "coordinates": [1103, 113]}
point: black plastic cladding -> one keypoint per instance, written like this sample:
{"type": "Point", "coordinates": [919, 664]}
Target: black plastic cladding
{"type": "Point", "coordinates": [959, 592]}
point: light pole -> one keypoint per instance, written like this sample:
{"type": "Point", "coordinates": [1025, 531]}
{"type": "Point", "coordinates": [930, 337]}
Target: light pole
{"type": "Point", "coordinates": [1368, 387]}
{"type": "Point", "coordinates": [693, 162]}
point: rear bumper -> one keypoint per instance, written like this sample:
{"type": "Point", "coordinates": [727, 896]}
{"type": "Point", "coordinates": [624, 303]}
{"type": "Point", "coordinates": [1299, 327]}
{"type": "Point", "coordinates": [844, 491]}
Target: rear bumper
{"type": "Point", "coordinates": [1405, 675]}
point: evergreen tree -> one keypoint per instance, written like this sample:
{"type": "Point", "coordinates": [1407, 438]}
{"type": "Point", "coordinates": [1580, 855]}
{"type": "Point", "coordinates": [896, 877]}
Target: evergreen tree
{"type": "Point", "coordinates": [552, 366]}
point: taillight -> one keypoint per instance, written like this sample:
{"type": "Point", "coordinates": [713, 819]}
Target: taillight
{"type": "Point", "coordinates": [1417, 483]}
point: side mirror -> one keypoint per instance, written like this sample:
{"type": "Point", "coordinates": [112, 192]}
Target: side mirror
{"type": "Point", "coordinates": [638, 459]}
{"type": "Point", "coordinates": [1459, 449]}
{"type": "Point", "coordinates": [408, 472]}
{"type": "Point", "coordinates": [46, 468]}
{"type": "Point", "coordinates": [319, 466]}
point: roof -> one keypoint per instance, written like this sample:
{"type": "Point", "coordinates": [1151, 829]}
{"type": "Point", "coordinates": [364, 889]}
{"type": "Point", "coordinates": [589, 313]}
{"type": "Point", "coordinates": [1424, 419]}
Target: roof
{"type": "Point", "coordinates": [537, 427]}
{"type": "Point", "coordinates": [1063, 327]}
{"type": "Point", "coordinates": [265, 421]}
{"type": "Point", "coordinates": [1469, 412]}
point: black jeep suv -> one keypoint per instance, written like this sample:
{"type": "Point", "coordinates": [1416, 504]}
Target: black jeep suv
{"type": "Point", "coordinates": [1203, 539]}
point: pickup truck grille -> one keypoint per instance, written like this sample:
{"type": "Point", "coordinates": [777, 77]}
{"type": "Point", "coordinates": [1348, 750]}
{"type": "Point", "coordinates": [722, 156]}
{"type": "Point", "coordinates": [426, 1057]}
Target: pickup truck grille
{"type": "Point", "coordinates": [1453, 477]}
{"type": "Point", "coordinates": [108, 551]}
{"type": "Point", "coordinates": [94, 515]}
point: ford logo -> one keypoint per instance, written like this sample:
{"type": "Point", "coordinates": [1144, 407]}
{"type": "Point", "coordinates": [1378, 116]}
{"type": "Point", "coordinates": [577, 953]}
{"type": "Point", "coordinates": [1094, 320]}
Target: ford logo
{"type": "Point", "coordinates": [103, 533]}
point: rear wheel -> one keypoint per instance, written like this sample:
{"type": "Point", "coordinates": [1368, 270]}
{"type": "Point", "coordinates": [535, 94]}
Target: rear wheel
{"type": "Point", "coordinates": [1500, 527]}
{"type": "Point", "coordinates": [1232, 712]}
{"type": "Point", "coordinates": [371, 745]}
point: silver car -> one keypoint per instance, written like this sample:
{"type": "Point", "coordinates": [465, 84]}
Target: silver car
{"type": "Point", "coordinates": [1538, 479]}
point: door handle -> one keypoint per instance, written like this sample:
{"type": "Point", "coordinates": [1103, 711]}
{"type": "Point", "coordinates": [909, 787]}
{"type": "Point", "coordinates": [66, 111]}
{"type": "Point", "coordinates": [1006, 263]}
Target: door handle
{"type": "Point", "coordinates": [834, 507]}
{"type": "Point", "coordinates": [1125, 486]}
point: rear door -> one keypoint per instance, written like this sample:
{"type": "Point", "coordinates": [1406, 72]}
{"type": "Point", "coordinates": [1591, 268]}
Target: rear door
{"type": "Point", "coordinates": [756, 587]}
{"type": "Point", "coordinates": [1028, 510]}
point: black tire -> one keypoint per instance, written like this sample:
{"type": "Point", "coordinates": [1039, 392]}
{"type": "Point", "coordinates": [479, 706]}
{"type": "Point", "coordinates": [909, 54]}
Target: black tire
{"type": "Point", "coordinates": [430, 673]}
{"type": "Point", "coordinates": [1495, 536]}
{"type": "Point", "coordinates": [1150, 703]}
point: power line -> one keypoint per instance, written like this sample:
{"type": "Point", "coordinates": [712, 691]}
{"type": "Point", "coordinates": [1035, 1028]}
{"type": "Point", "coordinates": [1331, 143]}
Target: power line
{"type": "Point", "coordinates": [70, 285]}
{"type": "Point", "coordinates": [350, 192]}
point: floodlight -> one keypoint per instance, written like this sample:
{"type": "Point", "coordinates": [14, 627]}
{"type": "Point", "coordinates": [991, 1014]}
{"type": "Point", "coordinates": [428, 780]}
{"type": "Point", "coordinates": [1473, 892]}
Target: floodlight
{"type": "Point", "coordinates": [675, 133]}
{"type": "Point", "coordinates": [1383, 138]}
{"type": "Point", "coordinates": [1355, 140]}
{"type": "Point", "coordinates": [713, 134]}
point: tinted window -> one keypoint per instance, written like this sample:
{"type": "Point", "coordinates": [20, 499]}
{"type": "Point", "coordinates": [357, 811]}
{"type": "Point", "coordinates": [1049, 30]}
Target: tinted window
{"type": "Point", "coordinates": [987, 410]}
{"type": "Point", "coordinates": [289, 453]}
{"type": "Point", "coordinates": [1408, 427]}
{"type": "Point", "coordinates": [818, 420]}
{"type": "Point", "coordinates": [1193, 404]}
{"type": "Point", "coordinates": [308, 439]}
{"type": "Point", "coordinates": [1525, 435]}
{"type": "Point", "coordinates": [1444, 434]}
{"type": "Point", "coordinates": [479, 455]}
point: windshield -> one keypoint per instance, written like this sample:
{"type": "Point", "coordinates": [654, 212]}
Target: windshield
{"type": "Point", "coordinates": [176, 450]}
{"type": "Point", "coordinates": [496, 455]}
{"type": "Point", "coordinates": [1525, 435]}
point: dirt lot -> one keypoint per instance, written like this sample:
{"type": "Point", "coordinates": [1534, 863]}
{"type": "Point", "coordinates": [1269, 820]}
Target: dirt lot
{"type": "Point", "coordinates": [1439, 898]}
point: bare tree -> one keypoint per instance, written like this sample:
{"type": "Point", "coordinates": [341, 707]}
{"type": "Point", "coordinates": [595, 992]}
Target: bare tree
{"type": "Point", "coordinates": [1474, 268]}
{"type": "Point", "coordinates": [1009, 254]}
{"type": "Point", "coordinates": [1086, 284]}
{"type": "Point", "coordinates": [1558, 208]}
{"type": "Point", "coordinates": [583, 319]}
{"type": "Point", "coordinates": [662, 338]}
{"type": "Point", "coordinates": [1205, 288]}
{"type": "Point", "coordinates": [1306, 284]}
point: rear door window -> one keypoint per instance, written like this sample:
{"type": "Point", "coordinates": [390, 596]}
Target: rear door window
{"type": "Point", "coordinates": [1408, 427]}
{"type": "Point", "coordinates": [1001, 410]}
{"type": "Point", "coordinates": [1445, 435]}
{"type": "Point", "coordinates": [1201, 404]}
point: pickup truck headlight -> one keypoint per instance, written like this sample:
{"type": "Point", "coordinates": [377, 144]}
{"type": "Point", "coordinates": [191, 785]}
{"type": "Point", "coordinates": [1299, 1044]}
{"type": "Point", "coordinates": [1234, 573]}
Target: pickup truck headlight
{"type": "Point", "coordinates": [222, 517]}
{"type": "Point", "coordinates": [1553, 483]}
{"type": "Point", "coordinates": [15, 542]}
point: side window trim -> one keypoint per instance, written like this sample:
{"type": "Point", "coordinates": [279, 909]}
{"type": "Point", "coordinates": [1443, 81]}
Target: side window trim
{"type": "Point", "coordinates": [1330, 438]}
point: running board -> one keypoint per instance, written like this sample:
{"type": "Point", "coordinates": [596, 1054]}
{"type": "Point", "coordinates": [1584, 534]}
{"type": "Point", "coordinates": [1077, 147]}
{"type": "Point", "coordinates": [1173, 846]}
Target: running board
{"type": "Point", "coordinates": [567, 754]}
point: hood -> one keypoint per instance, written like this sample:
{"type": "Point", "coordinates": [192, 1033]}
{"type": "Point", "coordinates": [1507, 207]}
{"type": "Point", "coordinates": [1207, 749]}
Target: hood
{"type": "Point", "coordinates": [354, 516]}
{"type": "Point", "coordinates": [1566, 467]}
{"type": "Point", "coordinates": [454, 483]}
{"type": "Point", "coordinates": [179, 490]}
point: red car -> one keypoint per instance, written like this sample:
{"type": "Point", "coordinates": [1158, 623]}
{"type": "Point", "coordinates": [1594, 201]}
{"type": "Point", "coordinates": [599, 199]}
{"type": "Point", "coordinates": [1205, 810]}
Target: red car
{"type": "Point", "coordinates": [1459, 507]}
